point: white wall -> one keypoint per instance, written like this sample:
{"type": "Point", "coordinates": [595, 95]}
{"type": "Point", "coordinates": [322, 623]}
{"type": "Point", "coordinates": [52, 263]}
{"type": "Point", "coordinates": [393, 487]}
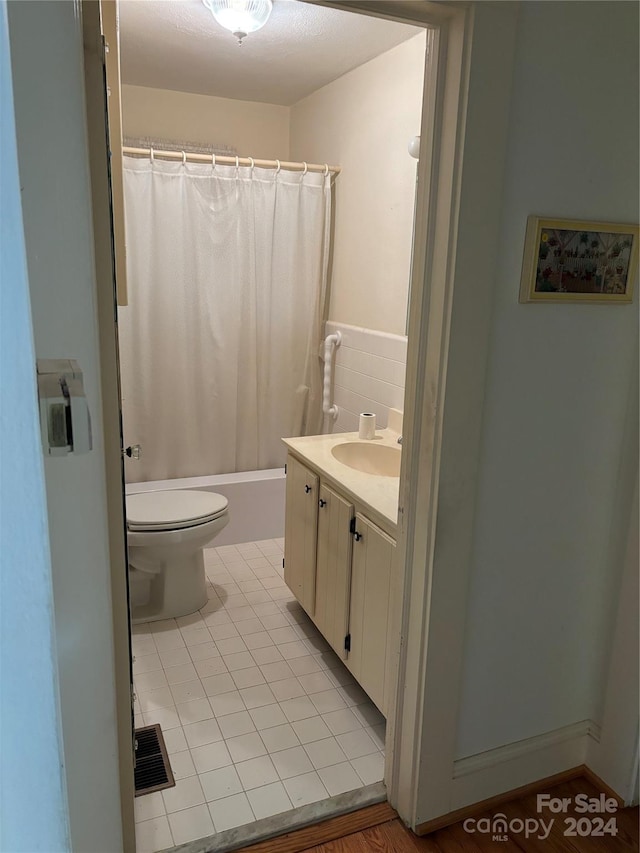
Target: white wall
{"type": "Point", "coordinates": [33, 806]}
{"type": "Point", "coordinates": [252, 129]}
{"type": "Point", "coordinates": [47, 57]}
{"type": "Point", "coordinates": [544, 578]}
{"type": "Point", "coordinates": [363, 122]}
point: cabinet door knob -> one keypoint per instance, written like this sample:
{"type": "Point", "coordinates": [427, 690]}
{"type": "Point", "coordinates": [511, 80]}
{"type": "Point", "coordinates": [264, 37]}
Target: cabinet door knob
{"type": "Point", "coordinates": [322, 503]}
{"type": "Point", "coordinates": [358, 536]}
{"type": "Point", "coordinates": [307, 489]}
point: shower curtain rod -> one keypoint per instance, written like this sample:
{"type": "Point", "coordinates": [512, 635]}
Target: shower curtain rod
{"type": "Point", "coordinates": [224, 160]}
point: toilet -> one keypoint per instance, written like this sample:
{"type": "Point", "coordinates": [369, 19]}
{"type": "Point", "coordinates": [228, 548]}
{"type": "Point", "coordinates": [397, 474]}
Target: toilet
{"type": "Point", "coordinates": [166, 534]}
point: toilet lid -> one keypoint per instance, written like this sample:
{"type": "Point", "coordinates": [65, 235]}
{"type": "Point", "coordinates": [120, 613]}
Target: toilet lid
{"type": "Point", "coordinates": [172, 510]}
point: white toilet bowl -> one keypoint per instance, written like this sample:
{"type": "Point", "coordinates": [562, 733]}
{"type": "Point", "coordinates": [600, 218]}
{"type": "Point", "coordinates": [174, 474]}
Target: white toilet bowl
{"type": "Point", "coordinates": [166, 532]}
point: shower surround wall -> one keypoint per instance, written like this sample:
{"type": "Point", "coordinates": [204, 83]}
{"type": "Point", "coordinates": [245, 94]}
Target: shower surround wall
{"type": "Point", "coordinates": [369, 374]}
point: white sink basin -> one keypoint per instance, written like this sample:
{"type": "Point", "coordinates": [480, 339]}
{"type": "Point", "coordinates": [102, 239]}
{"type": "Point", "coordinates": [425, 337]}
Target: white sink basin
{"type": "Point", "coordinates": [368, 457]}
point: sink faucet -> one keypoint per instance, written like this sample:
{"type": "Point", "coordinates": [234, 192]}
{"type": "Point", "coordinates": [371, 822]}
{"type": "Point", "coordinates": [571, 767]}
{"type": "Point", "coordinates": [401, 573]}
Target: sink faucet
{"type": "Point", "coordinates": [399, 439]}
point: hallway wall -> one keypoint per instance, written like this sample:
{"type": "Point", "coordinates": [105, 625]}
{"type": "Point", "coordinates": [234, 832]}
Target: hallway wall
{"type": "Point", "coordinates": [31, 739]}
{"type": "Point", "coordinates": [47, 66]}
{"type": "Point", "coordinates": [556, 461]}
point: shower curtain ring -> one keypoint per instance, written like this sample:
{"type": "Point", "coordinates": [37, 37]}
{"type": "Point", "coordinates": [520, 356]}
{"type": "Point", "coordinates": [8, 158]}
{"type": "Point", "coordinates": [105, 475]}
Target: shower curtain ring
{"type": "Point", "coordinates": [213, 160]}
{"type": "Point", "coordinates": [278, 166]}
{"type": "Point", "coordinates": [326, 170]}
{"type": "Point", "coordinates": [151, 153]}
{"type": "Point", "coordinates": [253, 163]}
{"type": "Point", "coordinates": [306, 169]}
{"type": "Point", "coordinates": [237, 162]}
{"type": "Point", "coordinates": [184, 158]}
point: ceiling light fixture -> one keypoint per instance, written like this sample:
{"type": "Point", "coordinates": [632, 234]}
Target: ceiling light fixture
{"type": "Point", "coordinates": [240, 17]}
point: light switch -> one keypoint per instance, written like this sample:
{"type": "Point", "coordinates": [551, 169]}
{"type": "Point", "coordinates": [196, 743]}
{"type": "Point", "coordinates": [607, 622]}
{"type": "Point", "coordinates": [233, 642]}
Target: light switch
{"type": "Point", "coordinates": [64, 415]}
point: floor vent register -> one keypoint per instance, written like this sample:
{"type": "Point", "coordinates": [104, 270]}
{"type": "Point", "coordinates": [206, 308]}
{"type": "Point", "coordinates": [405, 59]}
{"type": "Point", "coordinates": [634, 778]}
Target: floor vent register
{"type": "Point", "coordinates": [153, 771]}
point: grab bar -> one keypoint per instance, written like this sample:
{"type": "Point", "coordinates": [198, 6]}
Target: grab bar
{"type": "Point", "coordinates": [331, 343]}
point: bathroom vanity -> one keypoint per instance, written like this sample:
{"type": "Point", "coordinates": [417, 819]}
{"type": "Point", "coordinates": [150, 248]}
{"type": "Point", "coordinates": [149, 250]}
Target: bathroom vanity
{"type": "Point", "coordinates": [340, 542]}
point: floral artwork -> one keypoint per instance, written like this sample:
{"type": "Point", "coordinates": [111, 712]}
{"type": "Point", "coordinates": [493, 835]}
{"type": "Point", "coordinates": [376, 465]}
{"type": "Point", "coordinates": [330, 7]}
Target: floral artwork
{"type": "Point", "coordinates": [578, 261]}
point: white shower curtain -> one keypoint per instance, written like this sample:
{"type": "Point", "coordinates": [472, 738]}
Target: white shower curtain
{"type": "Point", "coordinates": [219, 344]}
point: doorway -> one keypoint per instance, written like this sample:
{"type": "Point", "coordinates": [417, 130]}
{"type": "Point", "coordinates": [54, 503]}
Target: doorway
{"type": "Point", "coordinates": [419, 265]}
{"type": "Point", "coordinates": [260, 716]}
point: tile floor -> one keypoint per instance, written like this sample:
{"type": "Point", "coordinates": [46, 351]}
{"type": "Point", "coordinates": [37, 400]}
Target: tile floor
{"type": "Point", "coordinates": [258, 714]}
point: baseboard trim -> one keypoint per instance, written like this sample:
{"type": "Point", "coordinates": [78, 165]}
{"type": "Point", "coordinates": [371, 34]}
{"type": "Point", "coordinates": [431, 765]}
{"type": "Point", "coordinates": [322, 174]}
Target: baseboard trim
{"type": "Point", "coordinates": [509, 767]}
{"type": "Point", "coordinates": [597, 782]}
{"type": "Point", "coordinates": [499, 799]}
{"type": "Point", "coordinates": [511, 751]}
{"type": "Point", "coordinates": [541, 785]}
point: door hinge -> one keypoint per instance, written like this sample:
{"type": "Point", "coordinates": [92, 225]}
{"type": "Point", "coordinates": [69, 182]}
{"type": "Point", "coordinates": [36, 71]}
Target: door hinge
{"type": "Point", "coordinates": [347, 643]}
{"type": "Point", "coordinates": [285, 467]}
{"type": "Point", "coordinates": [133, 726]}
{"type": "Point", "coordinates": [283, 562]}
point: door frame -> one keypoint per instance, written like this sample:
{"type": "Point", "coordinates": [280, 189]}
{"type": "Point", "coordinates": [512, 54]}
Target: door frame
{"type": "Point", "coordinates": [614, 756]}
{"type": "Point", "coordinates": [457, 228]}
{"type": "Point", "coordinates": [425, 656]}
{"type": "Point", "coordinates": [105, 272]}
{"type": "Point", "coordinates": [423, 718]}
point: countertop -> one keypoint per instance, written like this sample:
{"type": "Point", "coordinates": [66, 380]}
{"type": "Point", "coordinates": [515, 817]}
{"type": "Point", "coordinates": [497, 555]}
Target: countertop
{"type": "Point", "coordinates": [378, 494]}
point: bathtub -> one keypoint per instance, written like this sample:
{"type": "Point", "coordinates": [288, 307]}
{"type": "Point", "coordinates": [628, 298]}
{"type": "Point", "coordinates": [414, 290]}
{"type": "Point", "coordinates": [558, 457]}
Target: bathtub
{"type": "Point", "coordinates": [256, 501]}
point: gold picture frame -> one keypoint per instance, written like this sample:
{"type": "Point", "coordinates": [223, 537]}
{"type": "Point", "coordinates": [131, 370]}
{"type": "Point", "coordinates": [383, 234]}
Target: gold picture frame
{"type": "Point", "coordinates": [569, 260]}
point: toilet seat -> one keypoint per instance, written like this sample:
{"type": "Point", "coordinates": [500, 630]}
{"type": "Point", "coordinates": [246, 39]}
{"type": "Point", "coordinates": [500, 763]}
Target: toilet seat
{"type": "Point", "coordinates": [173, 509]}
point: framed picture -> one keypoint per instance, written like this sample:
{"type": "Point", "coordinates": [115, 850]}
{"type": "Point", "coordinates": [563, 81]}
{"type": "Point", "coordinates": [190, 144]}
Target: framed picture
{"type": "Point", "coordinates": [568, 261]}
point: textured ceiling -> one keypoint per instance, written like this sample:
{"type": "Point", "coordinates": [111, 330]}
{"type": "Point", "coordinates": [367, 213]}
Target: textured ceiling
{"type": "Point", "coordinates": [177, 44]}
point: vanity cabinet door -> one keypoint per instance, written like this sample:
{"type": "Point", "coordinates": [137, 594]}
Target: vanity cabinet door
{"type": "Point", "coordinates": [370, 612]}
{"type": "Point", "coordinates": [333, 568]}
{"type": "Point", "coordinates": [301, 532]}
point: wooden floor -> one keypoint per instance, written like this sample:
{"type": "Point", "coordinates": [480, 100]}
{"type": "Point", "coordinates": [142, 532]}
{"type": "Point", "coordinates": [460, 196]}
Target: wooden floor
{"type": "Point", "coordinates": [389, 835]}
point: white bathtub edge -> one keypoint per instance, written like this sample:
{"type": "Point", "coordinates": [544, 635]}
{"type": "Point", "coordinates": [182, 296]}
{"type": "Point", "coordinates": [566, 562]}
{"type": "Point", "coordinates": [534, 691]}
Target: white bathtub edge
{"type": "Point", "coordinates": [204, 482]}
{"type": "Point", "coordinates": [256, 502]}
